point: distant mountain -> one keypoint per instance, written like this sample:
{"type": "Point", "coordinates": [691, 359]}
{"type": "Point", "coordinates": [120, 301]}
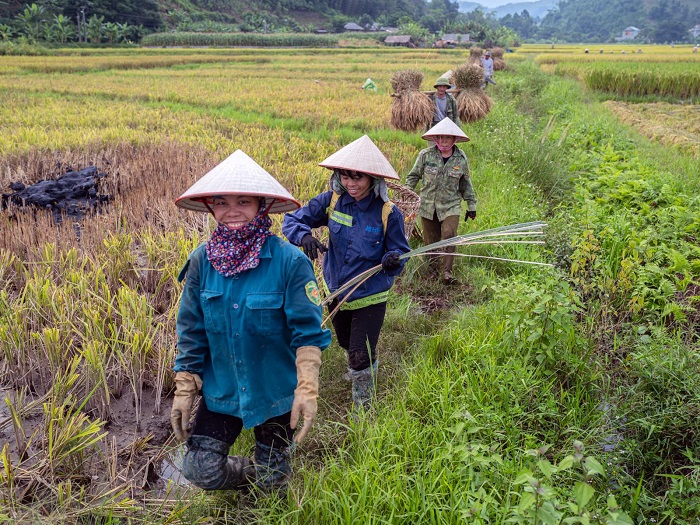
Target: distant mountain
{"type": "Point", "coordinates": [537, 8]}
{"type": "Point", "coordinates": [468, 7]}
{"type": "Point", "coordinates": [603, 20]}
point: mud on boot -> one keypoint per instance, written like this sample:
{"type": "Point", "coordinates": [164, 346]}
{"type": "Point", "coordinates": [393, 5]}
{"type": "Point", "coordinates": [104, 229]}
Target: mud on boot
{"type": "Point", "coordinates": [208, 465]}
{"type": "Point", "coordinates": [363, 386]}
{"type": "Point", "coordinates": [272, 469]}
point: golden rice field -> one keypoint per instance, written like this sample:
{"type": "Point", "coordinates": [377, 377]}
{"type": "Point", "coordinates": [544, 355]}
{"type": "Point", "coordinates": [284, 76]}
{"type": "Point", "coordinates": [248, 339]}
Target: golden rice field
{"type": "Point", "coordinates": [626, 70]}
{"type": "Point", "coordinates": [671, 124]}
{"type": "Point", "coordinates": [646, 71]}
{"type": "Point", "coordinates": [259, 82]}
{"type": "Point", "coordinates": [546, 53]}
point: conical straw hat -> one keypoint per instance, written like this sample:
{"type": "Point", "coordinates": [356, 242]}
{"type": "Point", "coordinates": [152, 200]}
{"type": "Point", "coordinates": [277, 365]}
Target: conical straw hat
{"type": "Point", "coordinates": [364, 156]}
{"type": "Point", "coordinates": [446, 127]}
{"type": "Point", "coordinates": [238, 175]}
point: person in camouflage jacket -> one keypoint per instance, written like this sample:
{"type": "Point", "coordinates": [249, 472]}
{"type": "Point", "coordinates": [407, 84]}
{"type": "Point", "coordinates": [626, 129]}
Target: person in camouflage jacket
{"type": "Point", "coordinates": [444, 103]}
{"type": "Point", "coordinates": [444, 171]}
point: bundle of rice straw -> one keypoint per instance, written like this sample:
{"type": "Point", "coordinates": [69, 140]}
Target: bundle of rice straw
{"type": "Point", "coordinates": [498, 63]}
{"type": "Point", "coordinates": [411, 110]}
{"type": "Point", "coordinates": [472, 102]}
{"type": "Point", "coordinates": [475, 55]}
{"type": "Point", "coordinates": [468, 76]}
{"type": "Point", "coordinates": [448, 75]}
{"type": "Point", "coordinates": [408, 79]}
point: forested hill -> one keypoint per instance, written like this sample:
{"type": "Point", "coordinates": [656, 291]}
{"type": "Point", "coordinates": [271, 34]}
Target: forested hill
{"type": "Point", "coordinates": [601, 20]}
{"type": "Point", "coordinates": [154, 14]}
{"type": "Point", "coordinates": [572, 21]}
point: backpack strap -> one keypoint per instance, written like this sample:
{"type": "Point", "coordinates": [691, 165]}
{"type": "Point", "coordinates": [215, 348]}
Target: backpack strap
{"type": "Point", "coordinates": [331, 206]}
{"type": "Point", "coordinates": [386, 211]}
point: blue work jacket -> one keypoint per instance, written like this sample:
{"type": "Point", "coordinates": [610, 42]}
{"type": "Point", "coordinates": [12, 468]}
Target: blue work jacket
{"type": "Point", "coordinates": [353, 248]}
{"type": "Point", "coordinates": [241, 333]}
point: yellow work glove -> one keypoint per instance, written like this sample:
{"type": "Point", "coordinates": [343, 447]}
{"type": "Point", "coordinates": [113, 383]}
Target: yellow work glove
{"type": "Point", "coordinates": [187, 386]}
{"type": "Point", "coordinates": [308, 365]}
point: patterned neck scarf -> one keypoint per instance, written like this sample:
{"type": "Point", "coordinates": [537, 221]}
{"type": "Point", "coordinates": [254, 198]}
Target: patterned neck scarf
{"type": "Point", "coordinates": [235, 251]}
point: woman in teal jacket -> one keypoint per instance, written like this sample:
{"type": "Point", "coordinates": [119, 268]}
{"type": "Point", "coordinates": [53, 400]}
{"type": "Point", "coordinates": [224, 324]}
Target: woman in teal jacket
{"type": "Point", "coordinates": [249, 333]}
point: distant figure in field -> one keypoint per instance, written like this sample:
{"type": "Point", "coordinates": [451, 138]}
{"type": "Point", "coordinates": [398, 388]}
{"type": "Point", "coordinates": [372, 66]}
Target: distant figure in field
{"type": "Point", "coordinates": [487, 64]}
{"type": "Point", "coordinates": [623, 52]}
{"type": "Point", "coordinates": [639, 50]}
{"type": "Point", "coordinates": [585, 50]}
{"type": "Point", "coordinates": [695, 49]}
{"type": "Point", "coordinates": [601, 51]}
{"type": "Point", "coordinates": [369, 85]}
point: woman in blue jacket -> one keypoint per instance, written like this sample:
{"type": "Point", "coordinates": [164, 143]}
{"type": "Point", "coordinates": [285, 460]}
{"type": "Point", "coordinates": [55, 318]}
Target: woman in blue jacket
{"type": "Point", "coordinates": [365, 230]}
{"type": "Point", "coordinates": [249, 333]}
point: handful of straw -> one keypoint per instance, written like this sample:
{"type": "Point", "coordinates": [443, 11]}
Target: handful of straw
{"type": "Point", "coordinates": [411, 110]}
{"type": "Point", "coordinates": [524, 233]}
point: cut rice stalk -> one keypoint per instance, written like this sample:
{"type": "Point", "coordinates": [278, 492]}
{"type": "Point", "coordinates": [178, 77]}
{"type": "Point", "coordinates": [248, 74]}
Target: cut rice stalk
{"type": "Point", "coordinates": [496, 236]}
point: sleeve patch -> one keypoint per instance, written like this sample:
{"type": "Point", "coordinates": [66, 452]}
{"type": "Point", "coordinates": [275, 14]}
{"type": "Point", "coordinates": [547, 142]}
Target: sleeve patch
{"type": "Point", "coordinates": [313, 293]}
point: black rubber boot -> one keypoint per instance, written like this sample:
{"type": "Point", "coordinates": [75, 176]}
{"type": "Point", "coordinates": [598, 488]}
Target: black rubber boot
{"type": "Point", "coordinates": [208, 465]}
{"type": "Point", "coordinates": [363, 386]}
{"type": "Point", "coordinates": [272, 469]}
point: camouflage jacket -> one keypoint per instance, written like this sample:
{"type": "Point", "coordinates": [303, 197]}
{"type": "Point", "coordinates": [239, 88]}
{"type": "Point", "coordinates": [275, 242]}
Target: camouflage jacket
{"type": "Point", "coordinates": [450, 110]}
{"type": "Point", "coordinates": [444, 185]}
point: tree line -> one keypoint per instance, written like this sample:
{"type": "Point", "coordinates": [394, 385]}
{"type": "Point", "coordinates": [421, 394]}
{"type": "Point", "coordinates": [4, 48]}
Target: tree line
{"type": "Point", "coordinates": [123, 21]}
{"type": "Point", "coordinates": [93, 21]}
{"type": "Point", "coordinates": [659, 21]}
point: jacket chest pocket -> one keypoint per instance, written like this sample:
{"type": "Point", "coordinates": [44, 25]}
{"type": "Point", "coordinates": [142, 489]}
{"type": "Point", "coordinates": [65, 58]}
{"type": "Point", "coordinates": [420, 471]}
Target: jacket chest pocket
{"type": "Point", "coordinates": [372, 245]}
{"type": "Point", "coordinates": [430, 173]}
{"type": "Point", "coordinates": [453, 177]}
{"type": "Point", "coordinates": [455, 172]}
{"type": "Point", "coordinates": [264, 314]}
{"type": "Point", "coordinates": [339, 235]}
{"type": "Point", "coordinates": [213, 309]}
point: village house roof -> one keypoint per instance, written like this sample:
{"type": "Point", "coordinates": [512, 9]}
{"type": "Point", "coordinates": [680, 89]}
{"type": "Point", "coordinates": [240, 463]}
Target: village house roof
{"type": "Point", "coordinates": [455, 37]}
{"type": "Point", "coordinates": [398, 39]}
{"type": "Point", "coordinates": [352, 26]}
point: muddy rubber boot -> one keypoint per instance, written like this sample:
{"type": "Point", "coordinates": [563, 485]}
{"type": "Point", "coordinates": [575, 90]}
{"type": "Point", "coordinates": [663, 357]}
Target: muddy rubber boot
{"type": "Point", "coordinates": [208, 465]}
{"type": "Point", "coordinates": [272, 469]}
{"type": "Point", "coordinates": [363, 386]}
